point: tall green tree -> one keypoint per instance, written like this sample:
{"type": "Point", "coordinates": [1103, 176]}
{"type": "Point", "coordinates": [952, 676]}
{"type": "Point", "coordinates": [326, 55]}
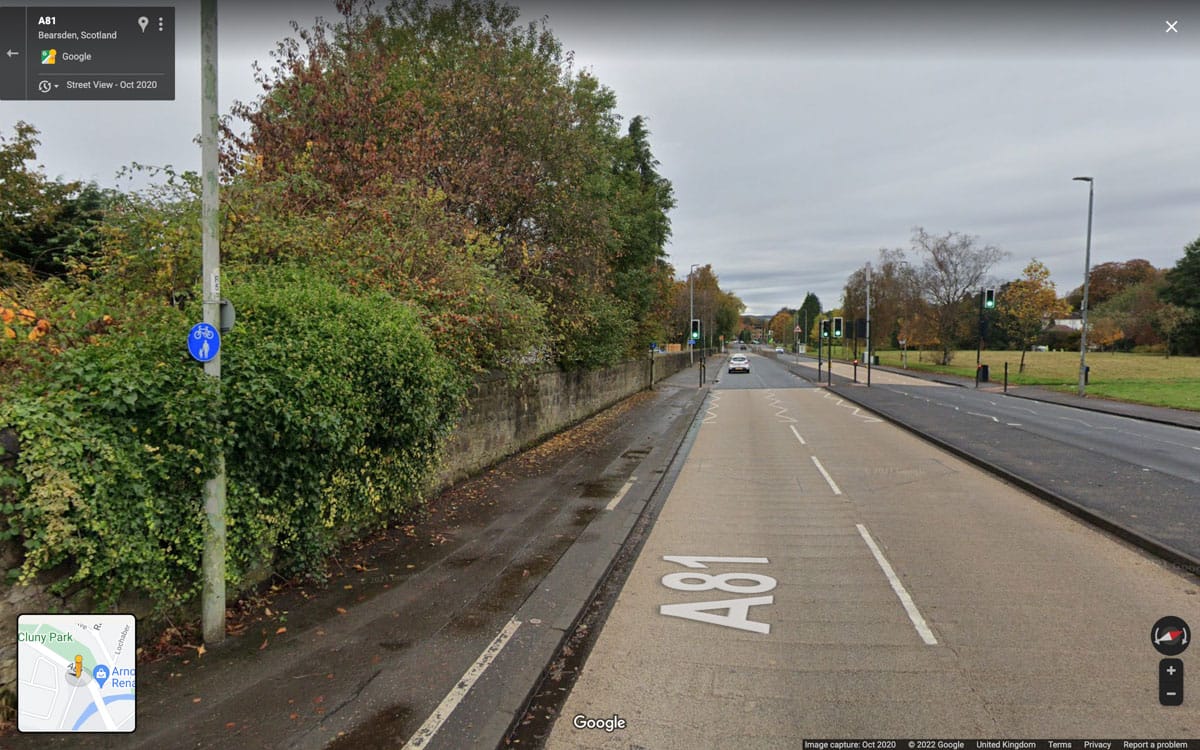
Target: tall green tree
{"type": "Point", "coordinates": [44, 223]}
{"type": "Point", "coordinates": [1182, 288]}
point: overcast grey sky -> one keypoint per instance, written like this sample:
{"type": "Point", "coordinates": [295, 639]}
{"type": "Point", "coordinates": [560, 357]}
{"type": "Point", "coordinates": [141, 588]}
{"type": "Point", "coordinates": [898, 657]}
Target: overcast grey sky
{"type": "Point", "coordinates": [803, 137]}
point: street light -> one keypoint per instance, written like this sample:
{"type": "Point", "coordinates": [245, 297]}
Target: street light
{"type": "Point", "coordinates": [1087, 272]}
{"type": "Point", "coordinates": [691, 314]}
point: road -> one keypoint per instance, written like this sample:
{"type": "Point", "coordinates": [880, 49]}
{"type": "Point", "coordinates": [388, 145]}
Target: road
{"type": "Point", "coordinates": [1139, 477]}
{"type": "Point", "coordinates": [1163, 448]}
{"type": "Point", "coordinates": [873, 586]}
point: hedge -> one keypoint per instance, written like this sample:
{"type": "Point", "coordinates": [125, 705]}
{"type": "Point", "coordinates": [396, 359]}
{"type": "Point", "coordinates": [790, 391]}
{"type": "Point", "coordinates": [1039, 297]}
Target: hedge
{"type": "Point", "coordinates": [331, 410]}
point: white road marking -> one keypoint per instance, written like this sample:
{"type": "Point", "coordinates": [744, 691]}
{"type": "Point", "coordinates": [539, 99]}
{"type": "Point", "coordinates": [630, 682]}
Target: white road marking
{"type": "Point", "coordinates": [620, 495]}
{"type": "Point", "coordinates": [1014, 424]}
{"type": "Point", "coordinates": [911, 608]}
{"type": "Point", "coordinates": [832, 485]}
{"type": "Point", "coordinates": [431, 726]}
{"type": "Point", "coordinates": [801, 439]}
{"type": "Point", "coordinates": [853, 409]}
{"type": "Point", "coordinates": [1072, 419]}
{"type": "Point", "coordinates": [774, 402]}
{"type": "Point", "coordinates": [715, 401]}
{"type": "Point", "coordinates": [989, 416]}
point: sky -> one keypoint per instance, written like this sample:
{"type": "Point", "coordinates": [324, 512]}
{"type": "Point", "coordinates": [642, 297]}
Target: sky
{"type": "Point", "coordinates": [802, 137]}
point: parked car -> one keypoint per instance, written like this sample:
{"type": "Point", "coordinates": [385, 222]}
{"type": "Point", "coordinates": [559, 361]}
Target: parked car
{"type": "Point", "coordinates": [739, 363]}
{"type": "Point", "coordinates": [779, 350]}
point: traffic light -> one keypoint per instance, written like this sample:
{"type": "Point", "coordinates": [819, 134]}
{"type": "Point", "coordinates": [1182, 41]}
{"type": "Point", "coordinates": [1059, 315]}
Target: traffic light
{"type": "Point", "coordinates": [824, 329]}
{"type": "Point", "coordinates": [695, 329]}
{"type": "Point", "coordinates": [837, 328]}
{"type": "Point", "coordinates": [989, 298]}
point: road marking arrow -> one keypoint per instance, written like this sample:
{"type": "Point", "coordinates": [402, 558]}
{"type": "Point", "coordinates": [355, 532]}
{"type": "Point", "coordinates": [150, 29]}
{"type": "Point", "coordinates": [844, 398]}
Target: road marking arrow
{"type": "Point", "coordinates": [10, 53]}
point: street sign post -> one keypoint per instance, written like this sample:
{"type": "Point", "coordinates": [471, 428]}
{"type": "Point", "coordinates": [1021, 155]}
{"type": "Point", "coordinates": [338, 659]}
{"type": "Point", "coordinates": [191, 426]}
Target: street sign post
{"type": "Point", "coordinates": [204, 342]}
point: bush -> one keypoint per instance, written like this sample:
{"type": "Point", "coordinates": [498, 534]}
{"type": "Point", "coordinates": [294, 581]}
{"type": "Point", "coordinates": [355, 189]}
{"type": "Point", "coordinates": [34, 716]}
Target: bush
{"type": "Point", "coordinates": [331, 411]}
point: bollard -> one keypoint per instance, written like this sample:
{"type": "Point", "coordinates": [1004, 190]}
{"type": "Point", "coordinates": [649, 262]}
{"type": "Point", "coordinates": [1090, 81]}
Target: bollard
{"type": "Point", "coordinates": [1006, 377]}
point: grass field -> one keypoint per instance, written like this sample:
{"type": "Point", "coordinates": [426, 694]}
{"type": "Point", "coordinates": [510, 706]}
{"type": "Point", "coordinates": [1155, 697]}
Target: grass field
{"type": "Point", "coordinates": [1141, 378]}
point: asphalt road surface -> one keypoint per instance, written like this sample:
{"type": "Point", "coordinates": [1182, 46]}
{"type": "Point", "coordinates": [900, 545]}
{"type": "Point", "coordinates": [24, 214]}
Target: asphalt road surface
{"type": "Point", "coordinates": [816, 572]}
{"type": "Point", "coordinates": [1140, 477]}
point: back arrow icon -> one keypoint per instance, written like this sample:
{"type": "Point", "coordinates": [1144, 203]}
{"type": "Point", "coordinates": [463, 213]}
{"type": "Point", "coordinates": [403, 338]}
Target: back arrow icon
{"type": "Point", "coordinates": [10, 53]}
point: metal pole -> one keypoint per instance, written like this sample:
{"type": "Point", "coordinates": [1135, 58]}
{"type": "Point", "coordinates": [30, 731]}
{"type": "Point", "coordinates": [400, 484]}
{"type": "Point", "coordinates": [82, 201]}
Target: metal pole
{"type": "Point", "coordinates": [691, 314]}
{"type": "Point", "coordinates": [868, 325]}
{"type": "Point", "coordinates": [979, 346]}
{"type": "Point", "coordinates": [213, 562]}
{"type": "Point", "coordinates": [1087, 272]}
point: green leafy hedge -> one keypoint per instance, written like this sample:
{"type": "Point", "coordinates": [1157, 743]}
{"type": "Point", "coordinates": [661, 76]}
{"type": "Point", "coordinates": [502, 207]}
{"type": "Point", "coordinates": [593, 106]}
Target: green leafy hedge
{"type": "Point", "coordinates": [331, 410]}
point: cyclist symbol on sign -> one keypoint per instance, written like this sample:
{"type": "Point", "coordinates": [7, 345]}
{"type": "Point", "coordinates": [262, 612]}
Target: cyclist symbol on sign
{"type": "Point", "coordinates": [204, 342]}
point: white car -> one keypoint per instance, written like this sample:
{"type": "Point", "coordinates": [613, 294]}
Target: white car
{"type": "Point", "coordinates": [739, 363]}
{"type": "Point", "coordinates": [779, 350]}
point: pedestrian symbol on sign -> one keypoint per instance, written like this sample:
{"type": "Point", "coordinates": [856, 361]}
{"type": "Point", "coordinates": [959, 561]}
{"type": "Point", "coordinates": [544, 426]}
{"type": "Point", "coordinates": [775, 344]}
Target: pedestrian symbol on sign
{"type": "Point", "coordinates": [204, 342]}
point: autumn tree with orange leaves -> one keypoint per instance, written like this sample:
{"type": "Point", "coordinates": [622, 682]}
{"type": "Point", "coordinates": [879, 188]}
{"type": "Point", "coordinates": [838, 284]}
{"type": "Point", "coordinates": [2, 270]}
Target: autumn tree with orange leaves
{"type": "Point", "coordinates": [456, 150]}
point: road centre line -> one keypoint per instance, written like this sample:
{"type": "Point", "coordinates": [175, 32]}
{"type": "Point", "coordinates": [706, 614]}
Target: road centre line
{"type": "Point", "coordinates": [431, 726]}
{"type": "Point", "coordinates": [620, 495]}
{"type": "Point", "coordinates": [801, 439]}
{"type": "Point", "coordinates": [832, 485]}
{"type": "Point", "coordinates": [909, 606]}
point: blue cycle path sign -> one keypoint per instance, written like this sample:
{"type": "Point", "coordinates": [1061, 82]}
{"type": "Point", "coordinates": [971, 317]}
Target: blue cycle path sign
{"type": "Point", "coordinates": [204, 342]}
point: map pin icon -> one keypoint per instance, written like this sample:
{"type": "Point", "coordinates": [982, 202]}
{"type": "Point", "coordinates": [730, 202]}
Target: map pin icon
{"type": "Point", "coordinates": [143, 22]}
{"type": "Point", "coordinates": [100, 672]}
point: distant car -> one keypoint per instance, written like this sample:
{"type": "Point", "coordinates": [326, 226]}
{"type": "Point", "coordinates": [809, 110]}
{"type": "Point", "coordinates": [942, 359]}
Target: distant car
{"type": "Point", "coordinates": [739, 363]}
{"type": "Point", "coordinates": [743, 347]}
{"type": "Point", "coordinates": [779, 350]}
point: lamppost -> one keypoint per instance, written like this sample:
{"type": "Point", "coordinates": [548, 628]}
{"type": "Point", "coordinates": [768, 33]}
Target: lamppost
{"type": "Point", "coordinates": [1087, 272]}
{"type": "Point", "coordinates": [691, 314]}
{"type": "Point", "coordinates": [868, 324]}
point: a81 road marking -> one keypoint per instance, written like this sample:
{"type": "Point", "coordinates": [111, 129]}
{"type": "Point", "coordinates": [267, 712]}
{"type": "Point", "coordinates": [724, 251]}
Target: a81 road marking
{"type": "Point", "coordinates": [737, 610]}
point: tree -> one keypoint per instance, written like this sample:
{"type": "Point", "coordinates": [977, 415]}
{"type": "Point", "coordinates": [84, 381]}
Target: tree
{"type": "Point", "coordinates": [1027, 304]}
{"type": "Point", "coordinates": [641, 198]}
{"type": "Point", "coordinates": [374, 122]}
{"type": "Point", "coordinates": [1107, 280]}
{"type": "Point", "coordinates": [1171, 319]}
{"type": "Point", "coordinates": [43, 223]}
{"type": "Point", "coordinates": [1135, 309]}
{"type": "Point", "coordinates": [1104, 331]}
{"type": "Point", "coordinates": [782, 326]}
{"type": "Point", "coordinates": [810, 311]}
{"type": "Point", "coordinates": [894, 295]}
{"type": "Point", "coordinates": [1182, 288]}
{"type": "Point", "coordinates": [954, 266]}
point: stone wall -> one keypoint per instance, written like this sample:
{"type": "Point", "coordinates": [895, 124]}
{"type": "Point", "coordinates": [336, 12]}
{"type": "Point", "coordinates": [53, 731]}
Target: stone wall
{"type": "Point", "coordinates": [503, 418]}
